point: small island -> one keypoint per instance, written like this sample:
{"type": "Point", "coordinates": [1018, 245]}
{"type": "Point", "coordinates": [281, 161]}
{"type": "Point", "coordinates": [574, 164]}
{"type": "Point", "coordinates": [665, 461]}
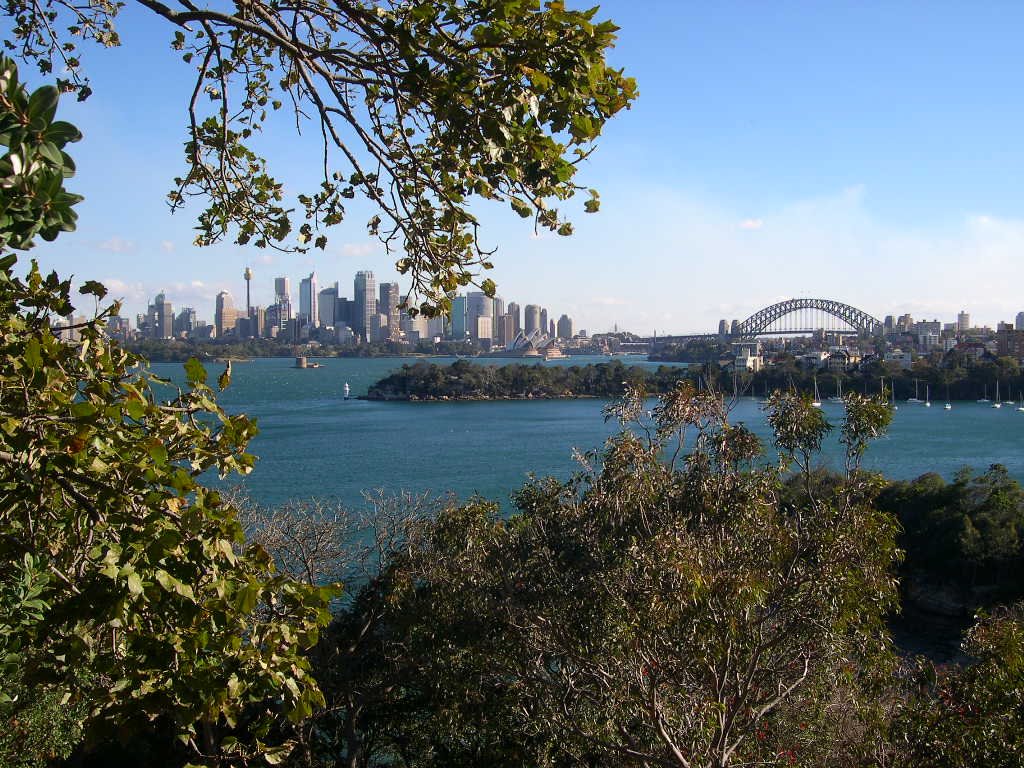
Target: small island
{"type": "Point", "coordinates": [463, 380]}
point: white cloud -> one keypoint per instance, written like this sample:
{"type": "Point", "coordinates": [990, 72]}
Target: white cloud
{"type": "Point", "coordinates": [167, 246]}
{"type": "Point", "coordinates": [359, 250]}
{"type": "Point", "coordinates": [751, 223]}
{"type": "Point", "coordinates": [117, 244]}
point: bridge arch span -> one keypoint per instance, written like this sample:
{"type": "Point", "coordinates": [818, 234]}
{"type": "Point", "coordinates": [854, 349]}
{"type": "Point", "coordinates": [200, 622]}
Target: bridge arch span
{"type": "Point", "coordinates": [759, 322]}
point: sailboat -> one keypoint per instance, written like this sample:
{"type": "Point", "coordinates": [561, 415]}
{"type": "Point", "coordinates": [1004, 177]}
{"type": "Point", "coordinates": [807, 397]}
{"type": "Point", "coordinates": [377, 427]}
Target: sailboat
{"type": "Point", "coordinates": [893, 394]}
{"type": "Point", "coordinates": [1010, 401]}
{"type": "Point", "coordinates": [948, 406]}
{"type": "Point", "coordinates": [1021, 406]}
{"type": "Point", "coordinates": [997, 404]}
{"type": "Point", "coordinates": [346, 391]}
{"type": "Point", "coordinates": [915, 398]}
{"type": "Point", "coordinates": [927, 395]}
{"type": "Point", "coordinates": [985, 398]}
{"type": "Point", "coordinates": [838, 396]}
{"type": "Point", "coordinates": [817, 398]}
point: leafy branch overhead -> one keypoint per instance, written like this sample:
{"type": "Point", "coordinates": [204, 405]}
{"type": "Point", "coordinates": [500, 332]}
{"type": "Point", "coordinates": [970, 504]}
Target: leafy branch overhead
{"type": "Point", "coordinates": [422, 107]}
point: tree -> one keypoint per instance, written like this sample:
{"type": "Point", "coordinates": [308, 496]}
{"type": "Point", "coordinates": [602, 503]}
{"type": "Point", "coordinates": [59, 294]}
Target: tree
{"type": "Point", "coordinates": [423, 107]}
{"type": "Point", "coordinates": [124, 584]}
{"type": "Point", "coordinates": [667, 606]}
{"type": "Point", "coordinates": [974, 715]}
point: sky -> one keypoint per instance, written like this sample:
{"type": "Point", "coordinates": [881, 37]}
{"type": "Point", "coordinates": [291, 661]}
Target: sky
{"type": "Point", "coordinates": [867, 152]}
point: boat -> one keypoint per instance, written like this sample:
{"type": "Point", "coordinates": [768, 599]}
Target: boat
{"type": "Point", "coordinates": [1021, 406]}
{"type": "Point", "coordinates": [1010, 401]}
{"type": "Point", "coordinates": [996, 403]}
{"type": "Point", "coordinates": [346, 391]}
{"type": "Point", "coordinates": [893, 393]}
{"type": "Point", "coordinates": [838, 396]}
{"type": "Point", "coordinates": [985, 398]}
{"type": "Point", "coordinates": [927, 395]}
{"type": "Point", "coordinates": [915, 398]}
{"type": "Point", "coordinates": [817, 397]}
{"type": "Point", "coordinates": [948, 406]}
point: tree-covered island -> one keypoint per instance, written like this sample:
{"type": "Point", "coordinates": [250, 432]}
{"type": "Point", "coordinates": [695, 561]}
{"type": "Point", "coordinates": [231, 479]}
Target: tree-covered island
{"type": "Point", "coordinates": [463, 380]}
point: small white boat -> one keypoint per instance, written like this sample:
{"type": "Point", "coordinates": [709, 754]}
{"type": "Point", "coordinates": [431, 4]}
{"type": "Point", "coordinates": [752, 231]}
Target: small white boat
{"type": "Point", "coordinates": [817, 398]}
{"type": "Point", "coordinates": [915, 398]}
{"type": "Point", "coordinates": [948, 406]}
{"type": "Point", "coordinates": [997, 404]}
{"type": "Point", "coordinates": [1021, 406]}
{"type": "Point", "coordinates": [927, 395]}
{"type": "Point", "coordinates": [985, 398]}
{"type": "Point", "coordinates": [346, 390]}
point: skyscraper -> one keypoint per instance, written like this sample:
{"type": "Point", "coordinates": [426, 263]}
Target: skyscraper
{"type": "Point", "coordinates": [282, 287]}
{"type": "Point", "coordinates": [565, 327]}
{"type": "Point", "coordinates": [543, 321]}
{"type": "Point", "coordinates": [531, 319]}
{"type": "Point", "coordinates": [225, 314]}
{"type": "Point", "coordinates": [161, 318]}
{"type": "Point", "coordinates": [478, 304]}
{"type": "Point", "coordinates": [283, 298]}
{"type": "Point", "coordinates": [1019, 325]}
{"type": "Point", "coordinates": [963, 321]}
{"type": "Point", "coordinates": [365, 296]}
{"type": "Point", "coordinates": [327, 301]}
{"type": "Point", "coordinates": [517, 317]}
{"type": "Point", "coordinates": [387, 304]}
{"type": "Point", "coordinates": [459, 318]}
{"type": "Point", "coordinates": [309, 300]}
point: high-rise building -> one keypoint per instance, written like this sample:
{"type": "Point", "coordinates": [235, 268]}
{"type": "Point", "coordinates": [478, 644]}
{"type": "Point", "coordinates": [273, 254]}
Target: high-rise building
{"type": "Point", "coordinates": [723, 328]}
{"type": "Point", "coordinates": [365, 297]}
{"type": "Point", "coordinates": [225, 314]}
{"type": "Point", "coordinates": [458, 318]}
{"type": "Point", "coordinates": [551, 328]}
{"type": "Point", "coordinates": [543, 321]}
{"type": "Point", "coordinates": [505, 332]}
{"type": "Point", "coordinates": [517, 316]}
{"type": "Point", "coordinates": [478, 304]}
{"type": "Point", "coordinates": [734, 328]}
{"type": "Point", "coordinates": [531, 319]}
{"type": "Point", "coordinates": [327, 305]}
{"type": "Point", "coordinates": [344, 311]}
{"type": "Point", "coordinates": [387, 304]}
{"type": "Point", "coordinates": [185, 322]}
{"type": "Point", "coordinates": [963, 321]}
{"type": "Point", "coordinates": [565, 327]}
{"type": "Point", "coordinates": [282, 287]}
{"type": "Point", "coordinates": [1019, 325]}
{"type": "Point", "coordinates": [499, 308]}
{"type": "Point", "coordinates": [161, 318]}
{"type": "Point", "coordinates": [309, 299]}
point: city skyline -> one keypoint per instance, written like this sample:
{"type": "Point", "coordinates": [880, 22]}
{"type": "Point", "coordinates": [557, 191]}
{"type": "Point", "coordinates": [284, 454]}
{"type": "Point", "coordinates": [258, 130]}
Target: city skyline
{"type": "Point", "coordinates": [767, 159]}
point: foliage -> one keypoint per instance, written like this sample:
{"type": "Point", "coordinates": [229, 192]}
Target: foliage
{"type": "Point", "coordinates": [33, 202]}
{"type": "Point", "coordinates": [122, 586]}
{"type": "Point", "coordinates": [968, 531]}
{"type": "Point", "coordinates": [466, 380]}
{"type": "Point", "coordinates": [39, 727]}
{"type": "Point", "coordinates": [974, 715]}
{"type": "Point", "coordinates": [422, 106]}
{"type": "Point", "coordinates": [663, 607]}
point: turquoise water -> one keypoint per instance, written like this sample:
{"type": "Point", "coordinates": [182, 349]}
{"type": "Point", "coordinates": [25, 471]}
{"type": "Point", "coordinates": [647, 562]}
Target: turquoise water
{"type": "Point", "coordinates": [314, 443]}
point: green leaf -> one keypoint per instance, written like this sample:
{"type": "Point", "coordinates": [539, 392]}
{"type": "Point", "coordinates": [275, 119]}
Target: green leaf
{"type": "Point", "coordinates": [195, 372]}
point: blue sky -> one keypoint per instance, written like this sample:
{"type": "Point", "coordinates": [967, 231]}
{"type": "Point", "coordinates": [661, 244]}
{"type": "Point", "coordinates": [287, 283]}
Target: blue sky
{"type": "Point", "coordinates": [867, 152]}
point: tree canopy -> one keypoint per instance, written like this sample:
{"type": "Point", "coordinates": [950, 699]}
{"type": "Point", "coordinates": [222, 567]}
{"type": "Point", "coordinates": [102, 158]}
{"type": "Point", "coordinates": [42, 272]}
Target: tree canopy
{"type": "Point", "coordinates": [422, 107]}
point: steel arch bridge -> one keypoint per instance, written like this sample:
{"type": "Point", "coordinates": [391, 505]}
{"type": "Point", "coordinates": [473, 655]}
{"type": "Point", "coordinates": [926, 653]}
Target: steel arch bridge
{"type": "Point", "coordinates": [805, 314]}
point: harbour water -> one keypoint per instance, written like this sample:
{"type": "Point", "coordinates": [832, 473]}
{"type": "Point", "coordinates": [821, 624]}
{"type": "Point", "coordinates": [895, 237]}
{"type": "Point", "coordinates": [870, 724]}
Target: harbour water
{"type": "Point", "coordinates": [313, 443]}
